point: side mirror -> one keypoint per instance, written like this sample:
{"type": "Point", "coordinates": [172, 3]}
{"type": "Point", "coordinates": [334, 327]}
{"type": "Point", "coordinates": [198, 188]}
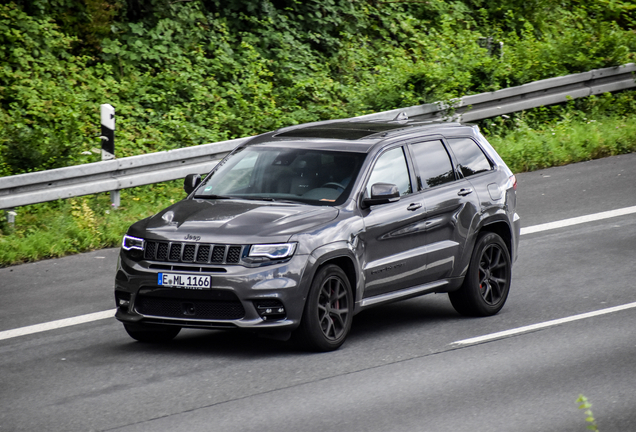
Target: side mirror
{"type": "Point", "coordinates": [382, 193]}
{"type": "Point", "coordinates": [191, 182]}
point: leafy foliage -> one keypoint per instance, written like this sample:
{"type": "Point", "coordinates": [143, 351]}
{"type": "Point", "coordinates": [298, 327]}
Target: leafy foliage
{"type": "Point", "coordinates": [186, 73]}
{"type": "Point", "coordinates": [182, 73]}
{"type": "Point", "coordinates": [589, 416]}
{"type": "Point", "coordinates": [539, 138]}
{"type": "Point", "coordinates": [579, 130]}
{"type": "Point", "coordinates": [63, 227]}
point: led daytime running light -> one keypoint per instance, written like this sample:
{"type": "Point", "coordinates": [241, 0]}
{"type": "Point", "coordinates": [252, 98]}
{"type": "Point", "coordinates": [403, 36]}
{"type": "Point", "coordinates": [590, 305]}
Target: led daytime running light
{"type": "Point", "coordinates": [130, 242]}
{"type": "Point", "coordinates": [273, 251]}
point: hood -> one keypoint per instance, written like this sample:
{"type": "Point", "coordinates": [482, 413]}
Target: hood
{"type": "Point", "coordinates": [233, 221]}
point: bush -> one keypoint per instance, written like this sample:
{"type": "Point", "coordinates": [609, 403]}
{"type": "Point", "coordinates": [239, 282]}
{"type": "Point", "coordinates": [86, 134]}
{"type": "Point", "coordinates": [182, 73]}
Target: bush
{"type": "Point", "coordinates": [188, 73]}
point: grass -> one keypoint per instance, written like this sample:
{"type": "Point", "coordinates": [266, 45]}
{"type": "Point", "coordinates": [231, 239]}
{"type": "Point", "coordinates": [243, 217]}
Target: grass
{"type": "Point", "coordinates": [528, 149]}
{"type": "Point", "coordinates": [64, 227]}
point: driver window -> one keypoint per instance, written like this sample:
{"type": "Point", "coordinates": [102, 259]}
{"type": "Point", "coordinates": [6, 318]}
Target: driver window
{"type": "Point", "coordinates": [391, 168]}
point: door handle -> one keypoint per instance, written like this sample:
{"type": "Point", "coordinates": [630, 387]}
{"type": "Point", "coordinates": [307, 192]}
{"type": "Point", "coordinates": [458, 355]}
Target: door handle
{"type": "Point", "coordinates": [464, 192]}
{"type": "Point", "coordinates": [414, 206]}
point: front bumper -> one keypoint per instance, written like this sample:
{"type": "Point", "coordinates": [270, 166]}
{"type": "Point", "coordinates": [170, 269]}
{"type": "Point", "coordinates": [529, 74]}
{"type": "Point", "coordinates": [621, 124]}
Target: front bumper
{"type": "Point", "coordinates": [265, 298]}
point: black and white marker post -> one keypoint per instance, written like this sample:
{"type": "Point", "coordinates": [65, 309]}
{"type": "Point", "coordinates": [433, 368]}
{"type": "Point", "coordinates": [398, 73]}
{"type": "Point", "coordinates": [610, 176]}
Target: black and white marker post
{"type": "Point", "coordinates": [108, 142]}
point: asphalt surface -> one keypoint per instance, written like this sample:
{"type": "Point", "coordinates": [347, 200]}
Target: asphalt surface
{"type": "Point", "coordinates": [398, 371]}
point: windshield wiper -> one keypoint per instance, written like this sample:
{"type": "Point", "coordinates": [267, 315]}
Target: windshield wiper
{"type": "Point", "coordinates": [259, 198]}
{"type": "Point", "coordinates": [213, 196]}
{"type": "Point", "coordinates": [291, 201]}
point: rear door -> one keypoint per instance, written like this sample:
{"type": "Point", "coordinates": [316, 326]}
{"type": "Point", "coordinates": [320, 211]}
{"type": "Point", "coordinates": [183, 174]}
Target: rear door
{"type": "Point", "coordinates": [451, 205]}
{"type": "Point", "coordinates": [478, 170]}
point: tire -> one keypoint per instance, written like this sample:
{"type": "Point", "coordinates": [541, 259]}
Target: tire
{"type": "Point", "coordinates": [151, 333]}
{"type": "Point", "coordinates": [328, 311]}
{"type": "Point", "coordinates": [487, 282]}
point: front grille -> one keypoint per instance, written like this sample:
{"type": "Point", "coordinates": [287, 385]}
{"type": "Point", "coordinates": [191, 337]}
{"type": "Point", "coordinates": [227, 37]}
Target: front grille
{"type": "Point", "coordinates": [175, 251]}
{"type": "Point", "coordinates": [150, 249]}
{"type": "Point", "coordinates": [218, 253]}
{"type": "Point", "coordinates": [234, 254]}
{"type": "Point", "coordinates": [191, 252]}
{"type": "Point", "coordinates": [203, 253]}
{"type": "Point", "coordinates": [188, 253]}
{"type": "Point", "coordinates": [162, 251]}
{"type": "Point", "coordinates": [189, 308]}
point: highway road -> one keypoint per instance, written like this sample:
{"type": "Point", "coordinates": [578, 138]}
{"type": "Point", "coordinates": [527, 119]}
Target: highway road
{"type": "Point", "coordinates": [409, 366]}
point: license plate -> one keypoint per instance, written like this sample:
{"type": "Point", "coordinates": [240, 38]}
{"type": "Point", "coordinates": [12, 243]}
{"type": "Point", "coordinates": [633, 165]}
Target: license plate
{"type": "Point", "coordinates": [184, 281]}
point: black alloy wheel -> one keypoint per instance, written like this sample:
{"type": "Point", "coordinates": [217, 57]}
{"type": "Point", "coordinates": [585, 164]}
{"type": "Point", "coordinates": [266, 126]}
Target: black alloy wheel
{"type": "Point", "coordinates": [152, 333]}
{"type": "Point", "coordinates": [328, 312]}
{"type": "Point", "coordinates": [487, 283]}
{"type": "Point", "coordinates": [493, 274]}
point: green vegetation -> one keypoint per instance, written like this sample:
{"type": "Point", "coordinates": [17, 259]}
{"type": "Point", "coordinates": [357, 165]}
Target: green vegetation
{"type": "Point", "coordinates": [580, 130]}
{"type": "Point", "coordinates": [64, 227]}
{"type": "Point", "coordinates": [526, 141]}
{"type": "Point", "coordinates": [184, 73]}
{"type": "Point", "coordinates": [589, 416]}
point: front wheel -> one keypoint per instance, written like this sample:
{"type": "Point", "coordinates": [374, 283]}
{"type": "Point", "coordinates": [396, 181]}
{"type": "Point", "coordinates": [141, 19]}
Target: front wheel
{"type": "Point", "coordinates": [487, 283]}
{"type": "Point", "coordinates": [151, 332]}
{"type": "Point", "coordinates": [328, 311]}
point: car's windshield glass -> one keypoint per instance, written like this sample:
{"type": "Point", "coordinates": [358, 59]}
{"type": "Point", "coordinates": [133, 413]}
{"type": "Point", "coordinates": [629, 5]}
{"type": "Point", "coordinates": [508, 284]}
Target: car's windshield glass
{"type": "Point", "coordinates": [317, 177]}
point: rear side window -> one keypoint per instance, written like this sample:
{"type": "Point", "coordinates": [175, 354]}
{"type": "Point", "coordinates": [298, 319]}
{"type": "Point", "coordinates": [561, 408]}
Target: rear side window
{"type": "Point", "coordinates": [433, 164]}
{"type": "Point", "coordinates": [469, 156]}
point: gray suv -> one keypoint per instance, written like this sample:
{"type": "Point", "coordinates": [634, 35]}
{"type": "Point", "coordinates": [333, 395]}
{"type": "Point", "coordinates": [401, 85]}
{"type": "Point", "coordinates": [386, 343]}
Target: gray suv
{"type": "Point", "coordinates": [298, 230]}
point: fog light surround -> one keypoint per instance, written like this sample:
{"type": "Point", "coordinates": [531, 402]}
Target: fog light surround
{"type": "Point", "coordinates": [270, 310]}
{"type": "Point", "coordinates": [122, 300]}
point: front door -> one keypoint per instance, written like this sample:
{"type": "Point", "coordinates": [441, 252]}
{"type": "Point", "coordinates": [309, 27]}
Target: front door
{"type": "Point", "coordinates": [394, 233]}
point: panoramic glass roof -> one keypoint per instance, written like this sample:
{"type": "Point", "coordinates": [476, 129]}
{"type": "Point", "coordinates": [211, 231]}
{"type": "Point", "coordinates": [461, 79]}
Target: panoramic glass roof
{"type": "Point", "coordinates": [341, 130]}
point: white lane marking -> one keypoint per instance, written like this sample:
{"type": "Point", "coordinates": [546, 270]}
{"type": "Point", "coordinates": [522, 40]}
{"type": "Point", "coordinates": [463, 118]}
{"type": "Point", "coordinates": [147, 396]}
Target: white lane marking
{"type": "Point", "coordinates": [529, 328]}
{"type": "Point", "coordinates": [52, 325]}
{"type": "Point", "coordinates": [22, 331]}
{"type": "Point", "coordinates": [578, 220]}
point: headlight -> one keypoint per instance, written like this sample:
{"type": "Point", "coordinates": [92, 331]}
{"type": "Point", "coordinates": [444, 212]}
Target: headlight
{"type": "Point", "coordinates": [130, 242]}
{"type": "Point", "coordinates": [273, 251]}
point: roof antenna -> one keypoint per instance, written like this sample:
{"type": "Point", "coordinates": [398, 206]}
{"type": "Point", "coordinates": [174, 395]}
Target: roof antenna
{"type": "Point", "coordinates": [401, 117]}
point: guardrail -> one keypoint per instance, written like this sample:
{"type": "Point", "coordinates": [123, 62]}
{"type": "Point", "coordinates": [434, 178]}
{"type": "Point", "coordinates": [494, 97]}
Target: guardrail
{"type": "Point", "coordinates": [115, 174]}
{"type": "Point", "coordinates": [532, 95]}
{"type": "Point", "coordinates": [32, 188]}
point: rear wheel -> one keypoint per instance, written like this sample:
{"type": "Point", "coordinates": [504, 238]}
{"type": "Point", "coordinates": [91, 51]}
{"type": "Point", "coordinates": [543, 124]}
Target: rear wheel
{"type": "Point", "coordinates": [328, 311]}
{"type": "Point", "coordinates": [152, 333]}
{"type": "Point", "coordinates": [487, 283]}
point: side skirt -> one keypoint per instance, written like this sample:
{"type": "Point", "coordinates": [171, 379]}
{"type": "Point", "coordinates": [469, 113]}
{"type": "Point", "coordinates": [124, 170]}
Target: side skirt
{"type": "Point", "coordinates": [437, 286]}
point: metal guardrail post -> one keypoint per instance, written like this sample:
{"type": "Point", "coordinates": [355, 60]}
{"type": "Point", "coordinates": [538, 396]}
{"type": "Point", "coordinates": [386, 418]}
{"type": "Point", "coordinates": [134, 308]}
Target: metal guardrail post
{"type": "Point", "coordinates": [107, 115]}
{"type": "Point", "coordinates": [11, 214]}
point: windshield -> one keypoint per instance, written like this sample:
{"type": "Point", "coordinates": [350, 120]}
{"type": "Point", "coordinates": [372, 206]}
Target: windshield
{"type": "Point", "coordinates": [317, 177]}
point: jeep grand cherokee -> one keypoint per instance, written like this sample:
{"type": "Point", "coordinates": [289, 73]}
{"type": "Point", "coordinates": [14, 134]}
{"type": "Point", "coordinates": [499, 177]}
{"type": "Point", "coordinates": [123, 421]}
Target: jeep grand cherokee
{"type": "Point", "coordinates": [298, 230]}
